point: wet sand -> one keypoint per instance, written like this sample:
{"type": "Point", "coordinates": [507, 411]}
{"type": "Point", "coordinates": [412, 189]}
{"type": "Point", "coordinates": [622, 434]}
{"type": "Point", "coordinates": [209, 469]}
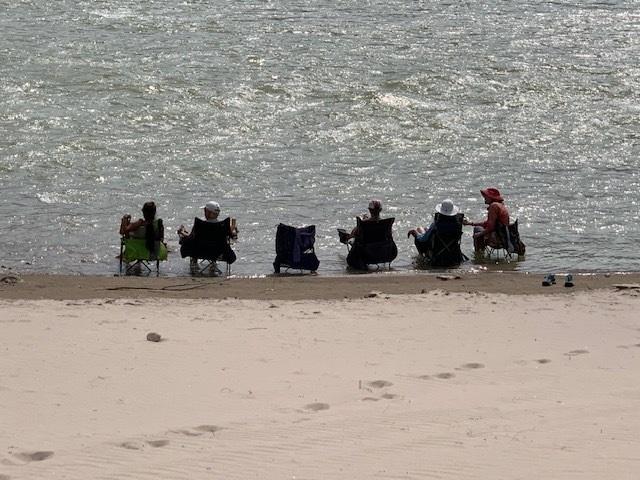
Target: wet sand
{"type": "Point", "coordinates": [294, 287]}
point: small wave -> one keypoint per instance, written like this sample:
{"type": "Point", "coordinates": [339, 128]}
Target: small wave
{"type": "Point", "coordinates": [46, 198]}
{"type": "Point", "coordinates": [118, 14]}
{"type": "Point", "coordinates": [395, 101]}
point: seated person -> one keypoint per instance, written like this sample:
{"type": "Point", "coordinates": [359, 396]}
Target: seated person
{"type": "Point", "coordinates": [484, 233]}
{"type": "Point", "coordinates": [444, 213]}
{"type": "Point", "coordinates": [211, 214]}
{"type": "Point", "coordinates": [148, 228]}
{"type": "Point", "coordinates": [375, 207]}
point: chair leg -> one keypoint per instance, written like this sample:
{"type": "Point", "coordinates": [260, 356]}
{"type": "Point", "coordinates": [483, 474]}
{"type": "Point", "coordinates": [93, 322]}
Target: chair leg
{"type": "Point", "coordinates": [121, 254]}
{"type": "Point", "coordinates": [207, 265]}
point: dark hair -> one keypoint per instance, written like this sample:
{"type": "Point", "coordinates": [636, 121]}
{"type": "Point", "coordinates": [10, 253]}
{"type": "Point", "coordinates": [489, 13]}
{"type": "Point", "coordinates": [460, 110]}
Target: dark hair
{"type": "Point", "coordinates": [149, 211]}
{"type": "Point", "coordinates": [149, 214]}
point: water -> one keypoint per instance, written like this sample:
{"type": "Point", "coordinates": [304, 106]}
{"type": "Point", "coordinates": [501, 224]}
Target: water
{"type": "Point", "coordinates": [300, 111]}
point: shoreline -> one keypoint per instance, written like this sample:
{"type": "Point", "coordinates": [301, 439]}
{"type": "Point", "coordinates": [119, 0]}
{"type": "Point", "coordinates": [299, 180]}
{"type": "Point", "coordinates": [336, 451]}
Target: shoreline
{"type": "Point", "coordinates": [294, 287]}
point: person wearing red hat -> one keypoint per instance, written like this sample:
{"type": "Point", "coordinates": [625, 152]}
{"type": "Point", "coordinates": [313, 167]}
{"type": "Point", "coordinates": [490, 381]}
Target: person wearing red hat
{"type": "Point", "coordinates": [484, 233]}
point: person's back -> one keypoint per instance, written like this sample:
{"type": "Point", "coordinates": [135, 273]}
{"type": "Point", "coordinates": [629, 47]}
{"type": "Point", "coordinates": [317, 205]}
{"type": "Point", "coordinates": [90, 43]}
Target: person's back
{"type": "Point", "coordinates": [485, 232]}
{"type": "Point", "coordinates": [373, 243]}
{"type": "Point", "coordinates": [208, 240]}
{"type": "Point", "coordinates": [146, 235]}
{"type": "Point", "coordinates": [446, 221]}
{"type": "Point", "coordinates": [375, 208]}
{"type": "Point", "coordinates": [444, 250]}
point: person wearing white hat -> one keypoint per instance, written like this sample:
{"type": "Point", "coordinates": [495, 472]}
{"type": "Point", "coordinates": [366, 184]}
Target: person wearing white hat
{"type": "Point", "coordinates": [211, 211]}
{"type": "Point", "coordinates": [422, 236]}
{"type": "Point", "coordinates": [211, 214]}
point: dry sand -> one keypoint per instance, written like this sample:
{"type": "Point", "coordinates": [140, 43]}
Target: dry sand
{"type": "Point", "coordinates": [446, 384]}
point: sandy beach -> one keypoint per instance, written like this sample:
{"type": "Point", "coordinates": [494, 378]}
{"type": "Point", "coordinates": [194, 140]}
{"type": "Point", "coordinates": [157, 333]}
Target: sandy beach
{"type": "Point", "coordinates": [375, 376]}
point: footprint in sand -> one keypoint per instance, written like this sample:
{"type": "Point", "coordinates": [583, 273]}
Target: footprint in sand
{"type": "Point", "coordinates": [573, 353]}
{"type": "Point", "coordinates": [445, 376]}
{"type": "Point", "coordinates": [208, 428]}
{"type": "Point", "coordinates": [379, 384]}
{"type": "Point", "coordinates": [370, 399]}
{"type": "Point", "coordinates": [132, 445]}
{"type": "Point", "coordinates": [316, 407]}
{"type": "Point", "coordinates": [388, 396]}
{"type": "Point", "coordinates": [424, 377]}
{"type": "Point", "coordinates": [34, 456]}
{"type": "Point", "coordinates": [472, 365]}
{"type": "Point", "coordinates": [188, 433]}
{"type": "Point", "coordinates": [158, 443]}
{"type": "Point", "coordinates": [543, 360]}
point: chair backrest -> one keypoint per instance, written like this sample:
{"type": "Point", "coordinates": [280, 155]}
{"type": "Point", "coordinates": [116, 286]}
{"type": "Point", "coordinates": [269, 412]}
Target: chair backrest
{"type": "Point", "coordinates": [375, 239]}
{"type": "Point", "coordinates": [445, 248]}
{"type": "Point", "coordinates": [375, 231]}
{"type": "Point", "coordinates": [288, 238]}
{"type": "Point", "coordinates": [134, 249]}
{"type": "Point", "coordinates": [295, 247]}
{"type": "Point", "coordinates": [210, 239]}
{"type": "Point", "coordinates": [508, 238]}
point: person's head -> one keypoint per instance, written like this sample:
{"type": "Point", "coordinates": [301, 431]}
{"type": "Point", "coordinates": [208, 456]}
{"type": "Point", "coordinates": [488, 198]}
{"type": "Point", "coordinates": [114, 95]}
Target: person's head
{"type": "Point", "coordinates": [375, 207]}
{"type": "Point", "coordinates": [491, 195]}
{"type": "Point", "coordinates": [447, 208]}
{"type": "Point", "coordinates": [149, 211]}
{"type": "Point", "coordinates": [211, 210]}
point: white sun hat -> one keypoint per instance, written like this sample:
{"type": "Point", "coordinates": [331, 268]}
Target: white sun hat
{"type": "Point", "coordinates": [212, 206]}
{"type": "Point", "coordinates": [447, 208]}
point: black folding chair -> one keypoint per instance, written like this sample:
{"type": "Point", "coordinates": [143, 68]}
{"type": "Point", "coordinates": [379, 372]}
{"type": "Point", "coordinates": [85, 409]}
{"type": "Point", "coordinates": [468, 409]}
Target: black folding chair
{"type": "Point", "coordinates": [209, 243]}
{"type": "Point", "coordinates": [373, 244]}
{"type": "Point", "coordinates": [295, 248]}
{"type": "Point", "coordinates": [443, 247]}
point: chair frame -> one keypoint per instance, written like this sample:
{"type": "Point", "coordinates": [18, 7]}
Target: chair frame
{"type": "Point", "coordinates": [204, 265]}
{"type": "Point", "coordinates": [501, 251]}
{"type": "Point", "coordinates": [130, 266]}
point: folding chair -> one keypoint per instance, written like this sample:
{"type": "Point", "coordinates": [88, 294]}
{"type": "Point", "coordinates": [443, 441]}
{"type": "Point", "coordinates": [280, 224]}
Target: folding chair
{"type": "Point", "coordinates": [443, 247]}
{"type": "Point", "coordinates": [134, 255]}
{"type": "Point", "coordinates": [209, 243]}
{"type": "Point", "coordinates": [373, 245]}
{"type": "Point", "coordinates": [507, 243]}
{"type": "Point", "coordinates": [295, 248]}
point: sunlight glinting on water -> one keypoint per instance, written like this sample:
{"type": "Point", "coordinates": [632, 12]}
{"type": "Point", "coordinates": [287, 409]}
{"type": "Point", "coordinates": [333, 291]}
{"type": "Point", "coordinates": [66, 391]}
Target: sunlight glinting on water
{"type": "Point", "coordinates": [299, 112]}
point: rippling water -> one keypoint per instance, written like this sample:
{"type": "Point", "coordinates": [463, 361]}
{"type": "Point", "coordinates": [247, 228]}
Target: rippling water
{"type": "Point", "coordinates": [299, 111]}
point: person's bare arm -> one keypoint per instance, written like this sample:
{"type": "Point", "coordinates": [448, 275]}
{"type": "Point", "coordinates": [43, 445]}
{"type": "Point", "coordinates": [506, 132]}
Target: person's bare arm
{"type": "Point", "coordinates": [131, 227]}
